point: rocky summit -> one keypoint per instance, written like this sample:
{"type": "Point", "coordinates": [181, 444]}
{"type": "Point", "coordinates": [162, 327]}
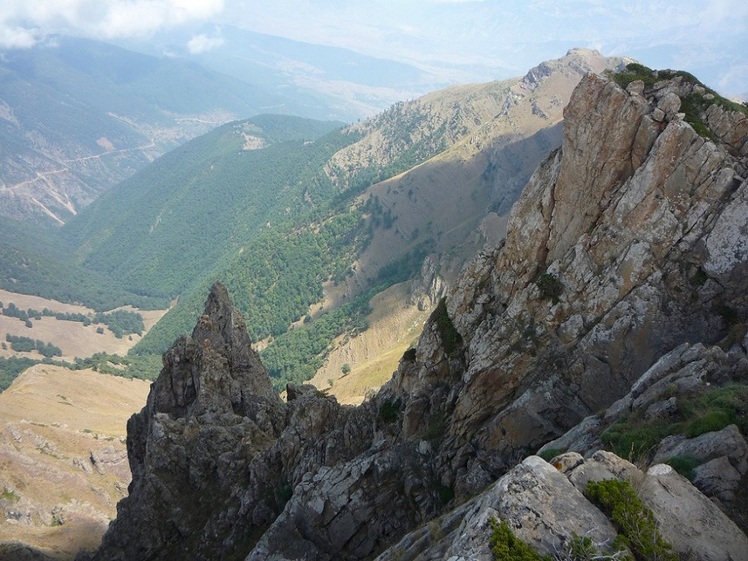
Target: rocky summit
{"type": "Point", "coordinates": [617, 302]}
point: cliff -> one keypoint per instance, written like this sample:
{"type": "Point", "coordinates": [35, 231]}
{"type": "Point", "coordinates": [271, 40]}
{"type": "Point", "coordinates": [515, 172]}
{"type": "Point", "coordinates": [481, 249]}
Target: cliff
{"type": "Point", "coordinates": [623, 272]}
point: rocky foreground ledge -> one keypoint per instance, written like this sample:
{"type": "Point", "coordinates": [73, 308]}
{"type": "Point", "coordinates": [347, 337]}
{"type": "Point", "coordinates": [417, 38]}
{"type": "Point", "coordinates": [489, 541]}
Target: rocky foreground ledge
{"type": "Point", "coordinates": [220, 472]}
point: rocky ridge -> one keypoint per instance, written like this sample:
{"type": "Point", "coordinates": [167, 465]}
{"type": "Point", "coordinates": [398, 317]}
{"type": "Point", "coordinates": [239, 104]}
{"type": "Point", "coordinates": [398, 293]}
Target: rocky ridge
{"type": "Point", "coordinates": [626, 245]}
{"type": "Point", "coordinates": [478, 144]}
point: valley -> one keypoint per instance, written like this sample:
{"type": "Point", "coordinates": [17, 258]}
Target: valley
{"type": "Point", "coordinates": [481, 271]}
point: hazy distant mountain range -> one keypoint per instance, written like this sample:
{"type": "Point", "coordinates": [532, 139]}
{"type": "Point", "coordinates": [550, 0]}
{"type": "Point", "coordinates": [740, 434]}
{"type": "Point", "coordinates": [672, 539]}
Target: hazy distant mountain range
{"type": "Point", "coordinates": [78, 116]}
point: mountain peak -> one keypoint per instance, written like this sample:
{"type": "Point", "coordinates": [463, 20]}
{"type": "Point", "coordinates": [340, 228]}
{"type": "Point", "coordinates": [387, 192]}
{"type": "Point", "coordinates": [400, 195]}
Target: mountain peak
{"type": "Point", "coordinates": [215, 370]}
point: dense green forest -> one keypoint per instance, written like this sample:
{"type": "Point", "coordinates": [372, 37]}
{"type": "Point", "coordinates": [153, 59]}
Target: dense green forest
{"type": "Point", "coordinates": [248, 204]}
{"type": "Point", "coordinates": [200, 203]}
{"type": "Point", "coordinates": [35, 261]}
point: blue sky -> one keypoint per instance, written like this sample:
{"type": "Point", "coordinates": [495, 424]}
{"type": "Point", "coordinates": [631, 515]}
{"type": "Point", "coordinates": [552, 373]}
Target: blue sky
{"type": "Point", "coordinates": [463, 40]}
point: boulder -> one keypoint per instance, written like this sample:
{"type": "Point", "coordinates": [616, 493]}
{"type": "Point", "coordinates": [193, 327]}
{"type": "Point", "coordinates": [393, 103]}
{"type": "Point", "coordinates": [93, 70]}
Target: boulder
{"type": "Point", "coordinates": [693, 524]}
{"type": "Point", "coordinates": [728, 442]}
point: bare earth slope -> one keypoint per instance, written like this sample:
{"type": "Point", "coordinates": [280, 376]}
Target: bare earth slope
{"type": "Point", "coordinates": [63, 462]}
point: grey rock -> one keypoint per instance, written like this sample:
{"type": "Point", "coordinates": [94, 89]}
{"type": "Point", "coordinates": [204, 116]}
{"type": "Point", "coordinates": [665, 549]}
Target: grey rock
{"type": "Point", "coordinates": [583, 438]}
{"type": "Point", "coordinates": [693, 524]}
{"type": "Point", "coordinates": [544, 508]}
{"type": "Point", "coordinates": [636, 87]}
{"type": "Point", "coordinates": [670, 103]}
{"type": "Point", "coordinates": [728, 442]}
{"type": "Point", "coordinates": [662, 409]}
{"type": "Point", "coordinates": [718, 479]}
{"type": "Point", "coordinates": [537, 502]}
{"type": "Point", "coordinates": [602, 466]}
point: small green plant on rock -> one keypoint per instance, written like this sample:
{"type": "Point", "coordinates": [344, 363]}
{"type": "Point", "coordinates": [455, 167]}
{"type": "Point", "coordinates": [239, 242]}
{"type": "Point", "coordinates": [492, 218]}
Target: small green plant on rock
{"type": "Point", "coordinates": [550, 287]}
{"type": "Point", "coordinates": [684, 465]}
{"type": "Point", "coordinates": [583, 548]}
{"type": "Point", "coordinates": [9, 495]}
{"type": "Point", "coordinates": [505, 546]}
{"type": "Point", "coordinates": [551, 453]}
{"type": "Point", "coordinates": [634, 521]}
{"type": "Point", "coordinates": [388, 411]}
{"type": "Point", "coordinates": [451, 339]}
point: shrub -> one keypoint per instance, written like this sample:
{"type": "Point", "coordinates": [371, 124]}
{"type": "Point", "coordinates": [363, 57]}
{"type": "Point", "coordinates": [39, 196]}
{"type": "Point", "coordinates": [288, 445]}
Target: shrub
{"type": "Point", "coordinates": [551, 453]}
{"type": "Point", "coordinates": [388, 411]}
{"type": "Point", "coordinates": [451, 339]}
{"type": "Point", "coordinates": [409, 355]}
{"type": "Point", "coordinates": [582, 548]}
{"type": "Point", "coordinates": [550, 287]}
{"type": "Point", "coordinates": [711, 421]}
{"type": "Point", "coordinates": [445, 493]}
{"type": "Point", "coordinates": [697, 413]}
{"type": "Point", "coordinates": [635, 438]}
{"type": "Point", "coordinates": [634, 521]}
{"type": "Point", "coordinates": [505, 546]}
{"type": "Point", "coordinates": [684, 465]}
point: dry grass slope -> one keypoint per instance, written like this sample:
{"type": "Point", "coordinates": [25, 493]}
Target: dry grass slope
{"type": "Point", "coordinates": [63, 463]}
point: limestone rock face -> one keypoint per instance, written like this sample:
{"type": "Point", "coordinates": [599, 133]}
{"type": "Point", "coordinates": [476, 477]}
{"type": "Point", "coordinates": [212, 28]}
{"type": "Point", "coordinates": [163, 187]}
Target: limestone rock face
{"type": "Point", "coordinates": [210, 412]}
{"type": "Point", "coordinates": [537, 501]}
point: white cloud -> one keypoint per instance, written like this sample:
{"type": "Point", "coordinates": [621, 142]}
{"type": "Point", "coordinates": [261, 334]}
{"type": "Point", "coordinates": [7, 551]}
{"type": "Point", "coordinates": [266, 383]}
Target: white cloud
{"type": "Point", "coordinates": [202, 43]}
{"type": "Point", "coordinates": [735, 80]}
{"type": "Point", "coordinates": [24, 22]}
{"type": "Point", "coordinates": [17, 37]}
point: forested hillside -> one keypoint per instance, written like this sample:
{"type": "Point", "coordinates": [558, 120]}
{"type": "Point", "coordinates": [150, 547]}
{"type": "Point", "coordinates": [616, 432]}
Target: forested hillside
{"type": "Point", "coordinates": [78, 116]}
{"type": "Point", "coordinates": [36, 261]}
{"type": "Point", "coordinates": [285, 211]}
{"type": "Point", "coordinates": [199, 204]}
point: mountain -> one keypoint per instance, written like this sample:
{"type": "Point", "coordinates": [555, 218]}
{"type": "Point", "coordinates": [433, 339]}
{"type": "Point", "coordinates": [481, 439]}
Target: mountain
{"type": "Point", "coordinates": [78, 116]}
{"type": "Point", "coordinates": [348, 84]}
{"type": "Point", "coordinates": [435, 175]}
{"type": "Point", "coordinates": [618, 296]}
{"type": "Point", "coordinates": [173, 216]}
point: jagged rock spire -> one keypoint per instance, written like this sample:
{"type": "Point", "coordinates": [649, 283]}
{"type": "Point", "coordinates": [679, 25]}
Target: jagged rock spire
{"type": "Point", "coordinates": [215, 370]}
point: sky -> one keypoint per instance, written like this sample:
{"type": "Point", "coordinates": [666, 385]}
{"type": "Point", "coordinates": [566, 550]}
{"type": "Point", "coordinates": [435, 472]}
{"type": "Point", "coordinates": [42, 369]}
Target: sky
{"type": "Point", "coordinates": [465, 40]}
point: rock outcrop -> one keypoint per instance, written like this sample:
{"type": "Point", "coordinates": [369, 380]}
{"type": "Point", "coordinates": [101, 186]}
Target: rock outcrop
{"type": "Point", "coordinates": [623, 271]}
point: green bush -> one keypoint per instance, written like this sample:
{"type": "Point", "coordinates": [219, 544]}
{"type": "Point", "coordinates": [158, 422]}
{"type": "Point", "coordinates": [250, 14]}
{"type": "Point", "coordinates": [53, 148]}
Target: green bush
{"type": "Point", "coordinates": [388, 411]}
{"type": "Point", "coordinates": [684, 465]}
{"type": "Point", "coordinates": [697, 413]}
{"type": "Point", "coordinates": [550, 287]}
{"type": "Point", "coordinates": [410, 355]}
{"type": "Point", "coordinates": [445, 493]}
{"type": "Point", "coordinates": [551, 453]}
{"type": "Point", "coordinates": [713, 420]}
{"type": "Point", "coordinates": [634, 521]}
{"type": "Point", "coordinates": [505, 546]}
{"type": "Point", "coordinates": [451, 339]}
